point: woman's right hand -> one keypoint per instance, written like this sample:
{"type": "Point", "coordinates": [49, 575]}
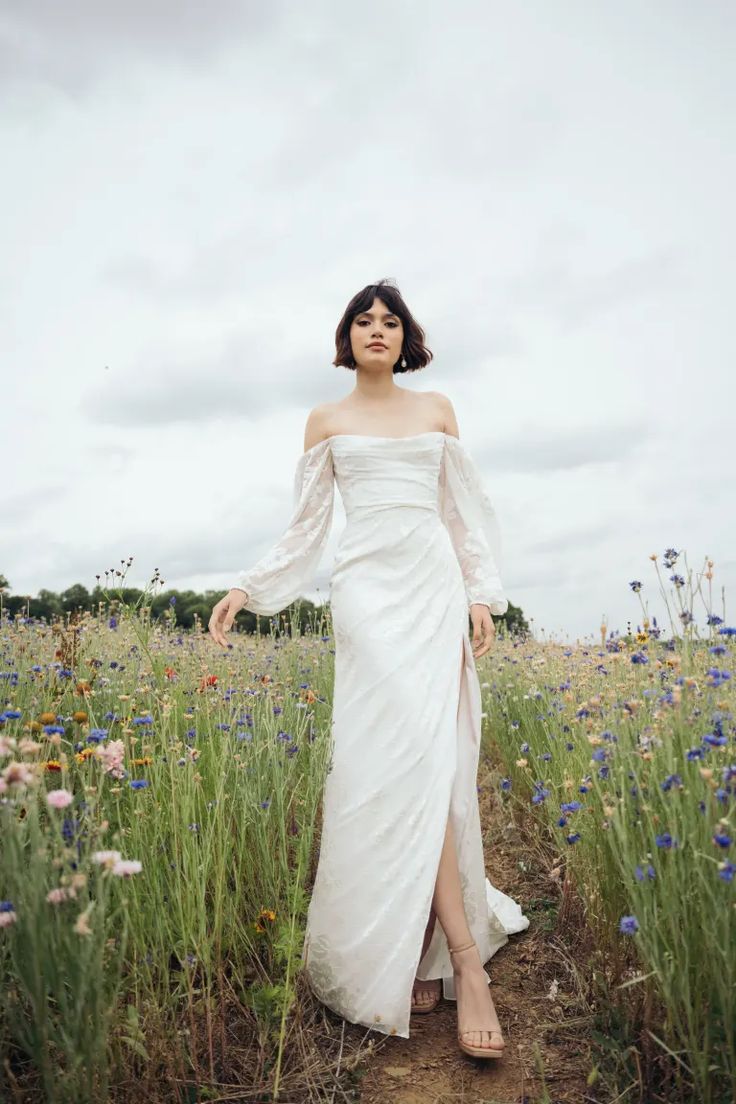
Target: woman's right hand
{"type": "Point", "coordinates": [223, 615]}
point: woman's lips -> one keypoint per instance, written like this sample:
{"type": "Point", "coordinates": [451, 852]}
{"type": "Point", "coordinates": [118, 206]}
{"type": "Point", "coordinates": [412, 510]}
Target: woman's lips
{"type": "Point", "coordinates": [376, 345]}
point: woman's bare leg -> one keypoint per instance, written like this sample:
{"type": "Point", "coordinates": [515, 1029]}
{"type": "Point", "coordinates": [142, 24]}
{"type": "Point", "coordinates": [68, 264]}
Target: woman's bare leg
{"type": "Point", "coordinates": [475, 1006]}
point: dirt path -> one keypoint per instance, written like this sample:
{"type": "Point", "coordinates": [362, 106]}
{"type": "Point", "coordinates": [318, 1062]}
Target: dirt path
{"type": "Point", "coordinates": [428, 1068]}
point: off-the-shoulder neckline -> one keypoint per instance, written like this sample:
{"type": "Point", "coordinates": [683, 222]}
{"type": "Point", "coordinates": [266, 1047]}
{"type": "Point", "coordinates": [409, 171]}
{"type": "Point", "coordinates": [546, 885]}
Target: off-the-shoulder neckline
{"type": "Point", "coordinates": [374, 437]}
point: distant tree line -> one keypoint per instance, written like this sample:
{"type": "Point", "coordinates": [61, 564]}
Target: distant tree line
{"type": "Point", "coordinates": [184, 609]}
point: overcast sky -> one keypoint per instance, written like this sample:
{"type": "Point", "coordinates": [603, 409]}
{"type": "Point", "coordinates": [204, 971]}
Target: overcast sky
{"type": "Point", "coordinates": [191, 193]}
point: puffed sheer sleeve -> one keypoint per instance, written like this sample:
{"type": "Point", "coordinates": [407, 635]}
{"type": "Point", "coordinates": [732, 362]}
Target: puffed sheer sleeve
{"type": "Point", "coordinates": [471, 520]}
{"type": "Point", "coordinates": [287, 569]}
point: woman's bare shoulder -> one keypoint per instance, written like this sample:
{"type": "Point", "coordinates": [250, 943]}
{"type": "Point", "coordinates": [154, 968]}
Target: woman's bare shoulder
{"type": "Point", "coordinates": [445, 412]}
{"type": "Point", "coordinates": [427, 408]}
{"type": "Point", "coordinates": [318, 424]}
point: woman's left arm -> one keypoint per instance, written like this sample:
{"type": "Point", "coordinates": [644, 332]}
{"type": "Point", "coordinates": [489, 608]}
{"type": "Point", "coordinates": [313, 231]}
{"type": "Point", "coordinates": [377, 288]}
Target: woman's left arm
{"type": "Point", "coordinates": [471, 520]}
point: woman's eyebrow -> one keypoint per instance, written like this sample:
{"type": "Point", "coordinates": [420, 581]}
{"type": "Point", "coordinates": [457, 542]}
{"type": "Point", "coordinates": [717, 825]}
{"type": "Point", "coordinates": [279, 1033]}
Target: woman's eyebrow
{"type": "Point", "coordinates": [388, 314]}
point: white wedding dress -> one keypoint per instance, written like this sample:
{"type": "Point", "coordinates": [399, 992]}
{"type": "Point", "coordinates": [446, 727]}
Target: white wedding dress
{"type": "Point", "coordinates": [421, 543]}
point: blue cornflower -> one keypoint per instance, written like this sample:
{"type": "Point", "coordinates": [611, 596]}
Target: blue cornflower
{"type": "Point", "coordinates": [639, 873]}
{"type": "Point", "coordinates": [665, 840]}
{"type": "Point", "coordinates": [539, 796]}
{"type": "Point", "coordinates": [718, 677]}
{"type": "Point", "coordinates": [138, 783]}
{"type": "Point", "coordinates": [726, 871]}
{"type": "Point", "coordinates": [722, 839]}
{"type": "Point", "coordinates": [571, 806]}
{"type": "Point", "coordinates": [573, 837]}
{"type": "Point", "coordinates": [629, 925]}
{"type": "Point", "coordinates": [505, 783]}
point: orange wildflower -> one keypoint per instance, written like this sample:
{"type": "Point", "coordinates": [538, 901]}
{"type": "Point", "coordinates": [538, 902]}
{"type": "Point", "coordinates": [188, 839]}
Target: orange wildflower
{"type": "Point", "coordinates": [207, 680]}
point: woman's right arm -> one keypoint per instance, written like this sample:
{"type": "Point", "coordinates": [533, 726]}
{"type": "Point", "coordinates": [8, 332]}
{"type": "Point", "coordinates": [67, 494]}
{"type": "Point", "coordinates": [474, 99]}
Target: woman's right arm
{"type": "Point", "coordinates": [286, 570]}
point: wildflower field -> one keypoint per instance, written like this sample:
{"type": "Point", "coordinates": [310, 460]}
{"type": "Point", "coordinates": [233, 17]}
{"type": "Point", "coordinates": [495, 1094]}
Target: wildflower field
{"type": "Point", "coordinates": [159, 809]}
{"type": "Point", "coordinates": [159, 800]}
{"type": "Point", "coordinates": [621, 758]}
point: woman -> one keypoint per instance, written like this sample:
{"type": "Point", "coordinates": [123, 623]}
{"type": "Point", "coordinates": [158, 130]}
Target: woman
{"type": "Point", "coordinates": [401, 840]}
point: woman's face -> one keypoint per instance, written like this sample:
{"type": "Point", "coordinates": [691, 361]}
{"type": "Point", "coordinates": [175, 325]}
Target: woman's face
{"type": "Point", "coordinates": [376, 325]}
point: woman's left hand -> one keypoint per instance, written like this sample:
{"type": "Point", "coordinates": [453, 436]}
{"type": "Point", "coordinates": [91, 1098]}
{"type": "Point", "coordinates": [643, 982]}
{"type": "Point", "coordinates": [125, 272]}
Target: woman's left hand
{"type": "Point", "coordinates": [484, 631]}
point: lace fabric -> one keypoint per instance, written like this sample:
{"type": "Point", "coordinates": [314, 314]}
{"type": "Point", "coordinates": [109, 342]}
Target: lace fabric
{"type": "Point", "coordinates": [288, 568]}
{"type": "Point", "coordinates": [469, 515]}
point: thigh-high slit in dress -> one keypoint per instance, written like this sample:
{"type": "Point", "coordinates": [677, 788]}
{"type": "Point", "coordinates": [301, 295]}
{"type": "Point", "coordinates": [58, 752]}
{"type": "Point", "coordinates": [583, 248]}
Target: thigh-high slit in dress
{"type": "Point", "coordinates": [420, 545]}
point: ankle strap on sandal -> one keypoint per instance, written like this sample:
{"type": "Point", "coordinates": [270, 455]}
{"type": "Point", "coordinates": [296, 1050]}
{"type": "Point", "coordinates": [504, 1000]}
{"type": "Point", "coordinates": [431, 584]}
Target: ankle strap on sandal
{"type": "Point", "coordinates": [455, 950]}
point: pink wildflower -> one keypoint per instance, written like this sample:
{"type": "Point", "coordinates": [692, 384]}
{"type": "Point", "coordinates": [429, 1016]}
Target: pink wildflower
{"type": "Point", "coordinates": [18, 774]}
{"type": "Point", "coordinates": [106, 858]}
{"type": "Point", "coordinates": [60, 894]}
{"type": "Point", "coordinates": [7, 745]}
{"type": "Point", "coordinates": [126, 867]}
{"type": "Point", "coordinates": [111, 757]}
{"type": "Point", "coordinates": [59, 799]}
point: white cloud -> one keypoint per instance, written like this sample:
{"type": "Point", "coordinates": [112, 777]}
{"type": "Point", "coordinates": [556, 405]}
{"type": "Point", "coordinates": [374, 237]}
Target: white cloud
{"type": "Point", "coordinates": [193, 196]}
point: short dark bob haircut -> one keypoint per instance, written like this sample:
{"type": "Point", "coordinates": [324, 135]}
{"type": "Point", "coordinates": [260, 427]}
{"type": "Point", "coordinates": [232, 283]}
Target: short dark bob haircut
{"type": "Point", "coordinates": [413, 349]}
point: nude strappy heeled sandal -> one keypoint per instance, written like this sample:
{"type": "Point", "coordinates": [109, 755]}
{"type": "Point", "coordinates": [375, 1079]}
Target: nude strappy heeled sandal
{"type": "Point", "coordinates": [476, 1052]}
{"type": "Point", "coordinates": [427, 1006]}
